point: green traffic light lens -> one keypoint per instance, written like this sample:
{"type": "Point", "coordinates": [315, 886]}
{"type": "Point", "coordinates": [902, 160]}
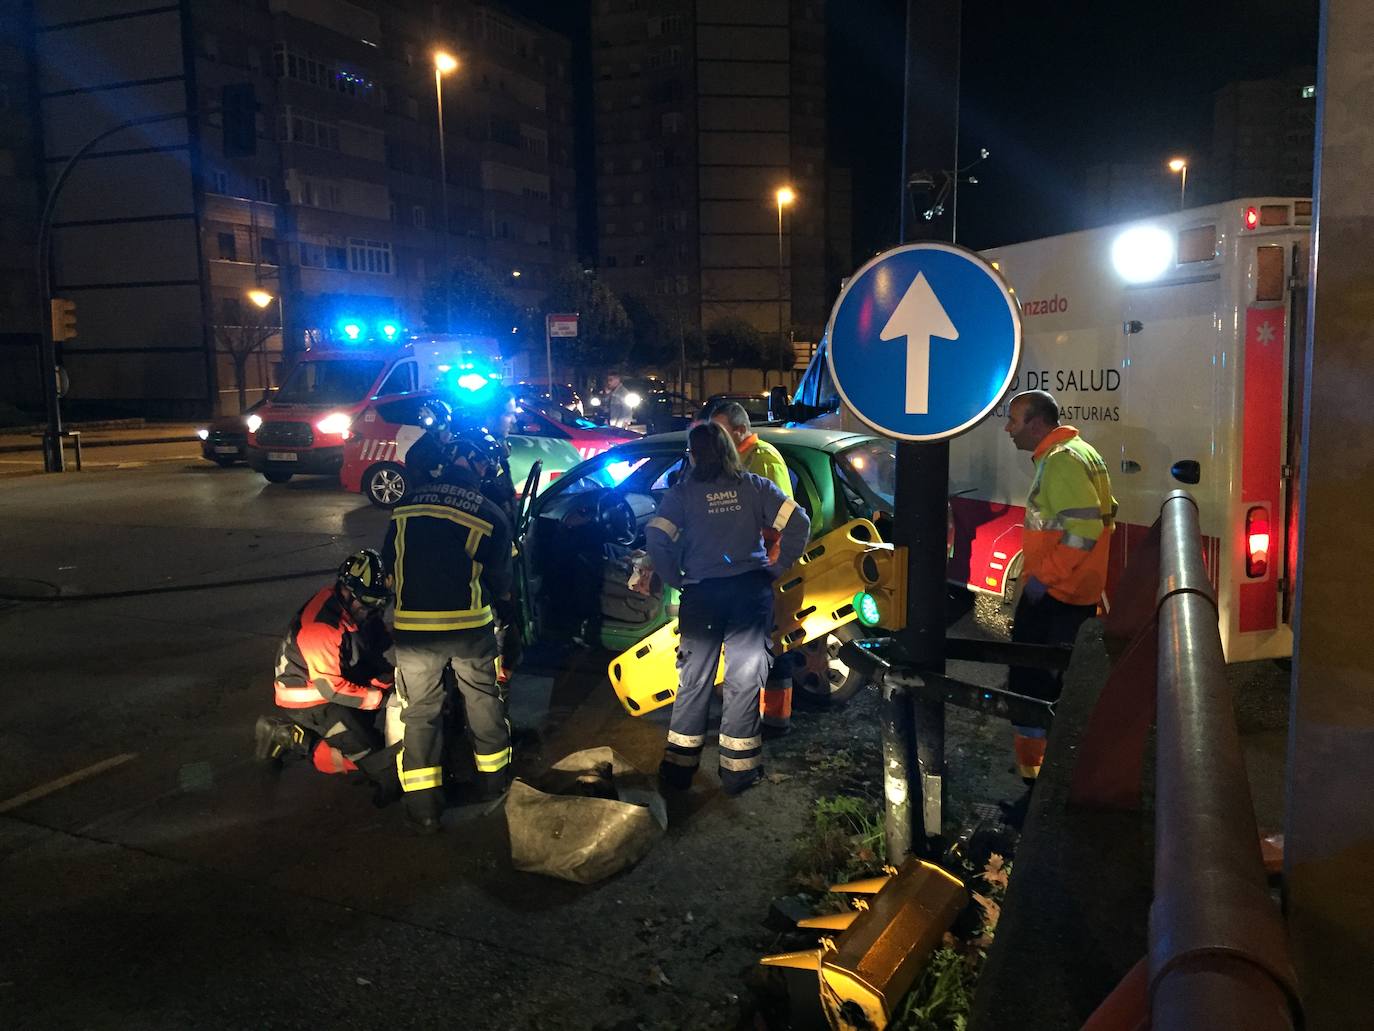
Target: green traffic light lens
{"type": "Point", "coordinates": [866, 608]}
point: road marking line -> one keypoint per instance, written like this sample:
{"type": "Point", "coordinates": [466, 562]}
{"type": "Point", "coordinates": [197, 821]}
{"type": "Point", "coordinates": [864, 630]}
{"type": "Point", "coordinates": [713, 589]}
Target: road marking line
{"type": "Point", "coordinates": [67, 781]}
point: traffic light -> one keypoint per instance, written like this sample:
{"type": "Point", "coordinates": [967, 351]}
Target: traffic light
{"type": "Point", "coordinates": [880, 946]}
{"type": "Point", "coordinates": [882, 570]}
{"type": "Point", "coordinates": [239, 116]}
{"type": "Point", "coordinates": [63, 319]}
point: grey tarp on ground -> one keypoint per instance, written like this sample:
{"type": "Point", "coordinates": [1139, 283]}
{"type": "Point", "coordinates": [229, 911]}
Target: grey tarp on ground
{"type": "Point", "coordinates": [584, 839]}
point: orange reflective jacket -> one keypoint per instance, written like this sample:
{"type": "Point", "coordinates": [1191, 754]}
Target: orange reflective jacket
{"type": "Point", "coordinates": [1070, 513]}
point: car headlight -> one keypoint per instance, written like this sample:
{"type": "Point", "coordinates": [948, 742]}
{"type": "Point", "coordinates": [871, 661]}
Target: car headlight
{"type": "Point", "coordinates": [632, 400]}
{"type": "Point", "coordinates": [596, 402]}
{"type": "Point", "coordinates": [253, 421]}
{"type": "Point", "coordinates": [203, 434]}
{"type": "Point", "coordinates": [335, 422]}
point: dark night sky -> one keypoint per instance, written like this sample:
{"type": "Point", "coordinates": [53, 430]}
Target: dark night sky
{"type": "Point", "coordinates": [1048, 88]}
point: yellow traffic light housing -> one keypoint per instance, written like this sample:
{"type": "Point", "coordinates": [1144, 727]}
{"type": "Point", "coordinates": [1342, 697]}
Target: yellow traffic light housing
{"type": "Point", "coordinates": [63, 319]}
{"type": "Point", "coordinates": [882, 945]}
{"type": "Point", "coordinates": [881, 570]}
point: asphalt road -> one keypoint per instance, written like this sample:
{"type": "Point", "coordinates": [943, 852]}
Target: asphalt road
{"type": "Point", "coordinates": [157, 877]}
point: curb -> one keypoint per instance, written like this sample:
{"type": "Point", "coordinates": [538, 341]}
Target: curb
{"type": "Point", "coordinates": [10, 449]}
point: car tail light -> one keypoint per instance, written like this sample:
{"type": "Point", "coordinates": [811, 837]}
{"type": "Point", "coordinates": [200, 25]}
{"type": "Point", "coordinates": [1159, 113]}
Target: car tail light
{"type": "Point", "coordinates": [1256, 543]}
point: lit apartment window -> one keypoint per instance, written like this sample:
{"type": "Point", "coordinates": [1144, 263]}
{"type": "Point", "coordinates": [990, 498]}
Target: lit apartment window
{"type": "Point", "coordinates": [369, 256]}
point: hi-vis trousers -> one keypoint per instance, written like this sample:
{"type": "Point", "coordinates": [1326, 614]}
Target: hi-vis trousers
{"type": "Point", "coordinates": [735, 611]}
{"type": "Point", "coordinates": [421, 657]}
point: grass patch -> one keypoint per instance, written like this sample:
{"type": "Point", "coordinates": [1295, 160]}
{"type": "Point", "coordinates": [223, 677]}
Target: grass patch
{"type": "Point", "coordinates": [845, 840]}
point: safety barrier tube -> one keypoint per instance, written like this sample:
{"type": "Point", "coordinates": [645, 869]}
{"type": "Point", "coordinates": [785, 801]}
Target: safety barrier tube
{"type": "Point", "coordinates": [1218, 951]}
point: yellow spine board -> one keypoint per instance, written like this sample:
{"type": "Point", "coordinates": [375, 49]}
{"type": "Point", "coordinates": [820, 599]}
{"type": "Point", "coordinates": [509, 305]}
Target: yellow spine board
{"type": "Point", "coordinates": [813, 598]}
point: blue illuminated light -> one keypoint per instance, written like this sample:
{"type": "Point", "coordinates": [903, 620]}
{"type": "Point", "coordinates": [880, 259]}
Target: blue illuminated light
{"type": "Point", "coordinates": [390, 329]}
{"type": "Point", "coordinates": [352, 330]}
{"type": "Point", "coordinates": [472, 381]}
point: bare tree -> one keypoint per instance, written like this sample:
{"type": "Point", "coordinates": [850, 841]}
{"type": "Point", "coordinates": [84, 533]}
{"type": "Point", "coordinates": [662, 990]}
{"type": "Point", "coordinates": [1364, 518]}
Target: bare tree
{"type": "Point", "coordinates": [245, 332]}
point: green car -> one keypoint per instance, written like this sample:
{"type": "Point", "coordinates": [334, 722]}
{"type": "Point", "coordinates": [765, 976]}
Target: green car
{"type": "Point", "coordinates": [580, 537]}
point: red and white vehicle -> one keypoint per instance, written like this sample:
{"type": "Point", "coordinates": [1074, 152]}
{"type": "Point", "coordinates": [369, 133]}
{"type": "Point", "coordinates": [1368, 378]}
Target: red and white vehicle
{"type": "Point", "coordinates": [1174, 344]}
{"type": "Point", "coordinates": [374, 453]}
{"type": "Point", "coordinates": [302, 427]}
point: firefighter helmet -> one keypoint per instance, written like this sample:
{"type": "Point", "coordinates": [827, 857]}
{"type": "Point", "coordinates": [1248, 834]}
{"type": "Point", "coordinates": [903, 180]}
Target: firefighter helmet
{"type": "Point", "coordinates": [435, 415]}
{"type": "Point", "coordinates": [473, 443]}
{"type": "Point", "coordinates": [364, 575]}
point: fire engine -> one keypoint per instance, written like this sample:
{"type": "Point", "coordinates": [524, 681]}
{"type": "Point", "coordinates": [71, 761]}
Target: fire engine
{"type": "Point", "coordinates": [303, 426]}
{"type": "Point", "coordinates": [1173, 344]}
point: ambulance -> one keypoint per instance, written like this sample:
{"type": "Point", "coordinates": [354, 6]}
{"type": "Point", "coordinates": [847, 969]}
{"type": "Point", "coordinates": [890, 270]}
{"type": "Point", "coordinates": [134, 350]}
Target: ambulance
{"type": "Point", "coordinates": [1174, 344]}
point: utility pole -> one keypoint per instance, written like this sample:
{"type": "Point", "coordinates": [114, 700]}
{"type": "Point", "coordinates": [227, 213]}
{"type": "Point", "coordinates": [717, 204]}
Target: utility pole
{"type": "Point", "coordinates": [929, 144]}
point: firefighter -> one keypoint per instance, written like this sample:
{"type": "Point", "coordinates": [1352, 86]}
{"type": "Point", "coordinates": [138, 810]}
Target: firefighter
{"type": "Point", "coordinates": [763, 459]}
{"type": "Point", "coordinates": [425, 458]}
{"type": "Point", "coordinates": [449, 549]}
{"type": "Point", "coordinates": [1070, 513]}
{"type": "Point", "coordinates": [495, 417]}
{"type": "Point", "coordinates": [332, 678]}
{"type": "Point", "coordinates": [707, 540]}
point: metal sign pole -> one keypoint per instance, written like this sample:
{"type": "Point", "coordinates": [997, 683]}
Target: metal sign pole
{"type": "Point", "coordinates": [548, 351]}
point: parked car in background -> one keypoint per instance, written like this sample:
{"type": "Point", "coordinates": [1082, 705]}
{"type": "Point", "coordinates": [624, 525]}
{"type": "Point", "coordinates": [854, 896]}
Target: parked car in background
{"type": "Point", "coordinates": [549, 420]}
{"type": "Point", "coordinates": [537, 394]}
{"type": "Point", "coordinates": [578, 533]}
{"type": "Point", "coordinates": [225, 441]}
{"type": "Point", "coordinates": [374, 451]}
{"type": "Point", "coordinates": [755, 404]}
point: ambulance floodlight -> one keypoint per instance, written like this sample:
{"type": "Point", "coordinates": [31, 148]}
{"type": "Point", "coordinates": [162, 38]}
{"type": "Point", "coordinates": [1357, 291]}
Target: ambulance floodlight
{"type": "Point", "coordinates": [1142, 253]}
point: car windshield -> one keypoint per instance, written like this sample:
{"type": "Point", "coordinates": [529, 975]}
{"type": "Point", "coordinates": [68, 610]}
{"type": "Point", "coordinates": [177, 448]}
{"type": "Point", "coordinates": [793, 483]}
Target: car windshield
{"type": "Point", "coordinates": [869, 470]}
{"type": "Point", "coordinates": [329, 382]}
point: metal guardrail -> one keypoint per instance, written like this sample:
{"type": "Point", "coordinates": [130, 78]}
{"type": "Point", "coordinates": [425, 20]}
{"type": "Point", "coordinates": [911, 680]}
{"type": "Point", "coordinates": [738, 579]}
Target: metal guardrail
{"type": "Point", "coordinates": [1218, 950]}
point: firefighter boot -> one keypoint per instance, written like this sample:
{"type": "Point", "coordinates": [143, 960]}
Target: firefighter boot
{"type": "Point", "coordinates": [278, 738]}
{"type": "Point", "coordinates": [380, 768]}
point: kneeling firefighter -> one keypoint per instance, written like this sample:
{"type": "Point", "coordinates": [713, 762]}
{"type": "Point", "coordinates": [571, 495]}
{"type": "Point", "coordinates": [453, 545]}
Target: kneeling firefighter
{"type": "Point", "coordinates": [449, 549]}
{"type": "Point", "coordinates": [332, 678]}
{"type": "Point", "coordinates": [708, 540]}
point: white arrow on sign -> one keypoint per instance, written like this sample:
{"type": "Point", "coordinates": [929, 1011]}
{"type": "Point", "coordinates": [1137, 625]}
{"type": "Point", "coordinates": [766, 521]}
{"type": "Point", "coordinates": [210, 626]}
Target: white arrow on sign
{"type": "Point", "coordinates": [918, 317]}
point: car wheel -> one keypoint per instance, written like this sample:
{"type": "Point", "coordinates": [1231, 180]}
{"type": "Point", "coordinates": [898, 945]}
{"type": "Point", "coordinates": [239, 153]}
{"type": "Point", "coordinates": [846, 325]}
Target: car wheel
{"type": "Point", "coordinates": [385, 485]}
{"type": "Point", "coordinates": [820, 675]}
{"type": "Point", "coordinates": [276, 477]}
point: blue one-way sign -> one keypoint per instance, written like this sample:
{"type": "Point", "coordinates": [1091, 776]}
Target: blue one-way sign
{"type": "Point", "coordinates": [924, 341]}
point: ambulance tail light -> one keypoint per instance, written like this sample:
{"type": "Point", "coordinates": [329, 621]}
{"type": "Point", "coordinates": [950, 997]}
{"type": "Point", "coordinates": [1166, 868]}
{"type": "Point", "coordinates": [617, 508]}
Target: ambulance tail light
{"type": "Point", "coordinates": [1256, 542]}
{"type": "Point", "coordinates": [1252, 217]}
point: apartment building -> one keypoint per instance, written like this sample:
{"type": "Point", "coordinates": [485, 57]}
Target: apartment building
{"type": "Point", "coordinates": [179, 251]}
{"type": "Point", "coordinates": [704, 110]}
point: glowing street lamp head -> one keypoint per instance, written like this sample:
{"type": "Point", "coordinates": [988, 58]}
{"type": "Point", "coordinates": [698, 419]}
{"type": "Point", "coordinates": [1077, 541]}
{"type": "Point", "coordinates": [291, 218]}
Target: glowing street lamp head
{"type": "Point", "coordinates": [785, 195]}
{"type": "Point", "coordinates": [260, 297]}
{"type": "Point", "coordinates": [444, 62]}
{"type": "Point", "coordinates": [1177, 165]}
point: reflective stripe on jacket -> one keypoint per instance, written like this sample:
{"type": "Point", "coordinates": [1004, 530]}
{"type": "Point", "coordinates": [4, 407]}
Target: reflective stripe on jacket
{"type": "Point", "coordinates": [707, 530]}
{"type": "Point", "coordinates": [1070, 513]}
{"type": "Point", "coordinates": [325, 657]}
{"type": "Point", "coordinates": [449, 552]}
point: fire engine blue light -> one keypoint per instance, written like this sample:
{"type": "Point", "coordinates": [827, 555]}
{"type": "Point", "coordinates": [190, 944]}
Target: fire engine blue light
{"type": "Point", "coordinates": [390, 329]}
{"type": "Point", "coordinates": [866, 609]}
{"type": "Point", "coordinates": [352, 330]}
{"type": "Point", "coordinates": [472, 381]}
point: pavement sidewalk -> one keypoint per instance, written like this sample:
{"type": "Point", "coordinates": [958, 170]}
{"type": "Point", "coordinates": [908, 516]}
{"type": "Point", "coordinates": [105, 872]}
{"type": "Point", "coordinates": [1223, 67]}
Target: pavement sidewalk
{"type": "Point", "coordinates": [29, 438]}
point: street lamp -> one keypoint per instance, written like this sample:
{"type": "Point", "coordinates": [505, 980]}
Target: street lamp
{"type": "Point", "coordinates": [1179, 166]}
{"type": "Point", "coordinates": [261, 298]}
{"type": "Point", "coordinates": [444, 63]}
{"type": "Point", "coordinates": [784, 196]}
